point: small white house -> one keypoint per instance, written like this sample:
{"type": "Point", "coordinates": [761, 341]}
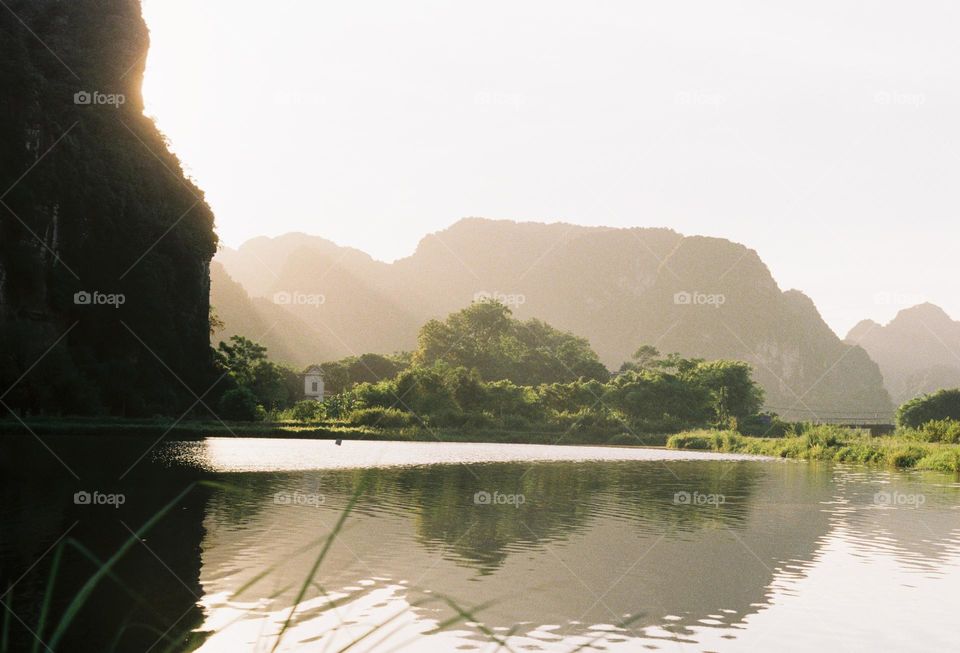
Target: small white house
{"type": "Point", "coordinates": [313, 383]}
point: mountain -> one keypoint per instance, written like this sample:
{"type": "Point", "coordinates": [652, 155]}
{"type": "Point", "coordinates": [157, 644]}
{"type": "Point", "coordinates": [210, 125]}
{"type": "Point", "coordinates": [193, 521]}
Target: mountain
{"type": "Point", "coordinates": [918, 351]}
{"type": "Point", "coordinates": [620, 288]}
{"type": "Point", "coordinates": [104, 243]}
{"type": "Point", "coordinates": [288, 338]}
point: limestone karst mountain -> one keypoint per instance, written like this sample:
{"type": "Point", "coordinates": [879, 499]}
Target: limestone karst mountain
{"type": "Point", "coordinates": [918, 352]}
{"type": "Point", "coordinates": [104, 243]}
{"type": "Point", "coordinates": [620, 288]}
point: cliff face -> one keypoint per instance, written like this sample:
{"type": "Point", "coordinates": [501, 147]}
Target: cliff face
{"type": "Point", "coordinates": [619, 288]}
{"type": "Point", "coordinates": [104, 244]}
{"type": "Point", "coordinates": [919, 351]}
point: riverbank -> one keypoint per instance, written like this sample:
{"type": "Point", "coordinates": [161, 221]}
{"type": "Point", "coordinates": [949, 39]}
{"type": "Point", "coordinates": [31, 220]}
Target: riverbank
{"type": "Point", "coordinates": [903, 450]}
{"type": "Point", "coordinates": [194, 430]}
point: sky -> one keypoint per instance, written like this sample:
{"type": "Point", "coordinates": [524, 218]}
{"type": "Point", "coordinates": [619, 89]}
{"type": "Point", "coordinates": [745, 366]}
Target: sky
{"type": "Point", "coordinates": [823, 134]}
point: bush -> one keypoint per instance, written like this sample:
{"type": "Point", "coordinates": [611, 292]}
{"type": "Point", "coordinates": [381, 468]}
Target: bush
{"type": "Point", "coordinates": [239, 404]}
{"type": "Point", "coordinates": [941, 405]}
{"type": "Point", "coordinates": [826, 435]}
{"type": "Point", "coordinates": [907, 457]}
{"type": "Point", "coordinates": [697, 440]}
{"type": "Point", "coordinates": [626, 439]}
{"type": "Point", "coordinates": [764, 426]}
{"type": "Point", "coordinates": [942, 430]}
{"type": "Point", "coordinates": [307, 410]}
{"type": "Point", "coordinates": [388, 418]}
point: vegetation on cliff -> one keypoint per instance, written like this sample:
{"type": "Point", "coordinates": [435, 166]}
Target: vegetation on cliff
{"type": "Point", "coordinates": [104, 243]}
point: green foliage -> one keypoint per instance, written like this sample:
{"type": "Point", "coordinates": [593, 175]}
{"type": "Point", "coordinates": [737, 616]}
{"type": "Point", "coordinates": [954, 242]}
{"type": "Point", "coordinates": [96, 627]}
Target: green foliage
{"type": "Point", "coordinates": [239, 358]}
{"type": "Point", "coordinates": [943, 430]}
{"type": "Point", "coordinates": [381, 417]}
{"type": "Point", "coordinates": [343, 374]}
{"type": "Point", "coordinates": [826, 442]}
{"type": "Point", "coordinates": [733, 394]}
{"type": "Point", "coordinates": [245, 362]}
{"type": "Point", "coordinates": [307, 410]}
{"type": "Point", "coordinates": [238, 404]}
{"type": "Point", "coordinates": [941, 405]}
{"type": "Point", "coordinates": [485, 337]}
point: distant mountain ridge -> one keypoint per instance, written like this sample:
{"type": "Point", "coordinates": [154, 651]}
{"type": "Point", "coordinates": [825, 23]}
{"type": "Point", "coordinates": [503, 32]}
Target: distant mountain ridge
{"type": "Point", "coordinates": [918, 351]}
{"type": "Point", "coordinates": [620, 288]}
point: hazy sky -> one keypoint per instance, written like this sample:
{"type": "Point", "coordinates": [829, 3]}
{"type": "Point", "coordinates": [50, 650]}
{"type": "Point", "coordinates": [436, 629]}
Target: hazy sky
{"type": "Point", "coordinates": [825, 135]}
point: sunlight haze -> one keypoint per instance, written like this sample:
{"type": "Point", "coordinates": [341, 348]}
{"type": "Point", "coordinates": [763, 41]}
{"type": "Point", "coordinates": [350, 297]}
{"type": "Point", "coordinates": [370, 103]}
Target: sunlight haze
{"type": "Point", "coordinates": [815, 134]}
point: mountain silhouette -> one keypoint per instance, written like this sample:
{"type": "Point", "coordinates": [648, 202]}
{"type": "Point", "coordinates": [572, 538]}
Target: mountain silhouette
{"type": "Point", "coordinates": [619, 288]}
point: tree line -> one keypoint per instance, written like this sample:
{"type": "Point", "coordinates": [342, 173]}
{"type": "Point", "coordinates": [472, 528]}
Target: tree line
{"type": "Point", "coordinates": [482, 368]}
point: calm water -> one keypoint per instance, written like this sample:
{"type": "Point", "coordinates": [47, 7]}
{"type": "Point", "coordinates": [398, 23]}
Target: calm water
{"type": "Point", "coordinates": [548, 548]}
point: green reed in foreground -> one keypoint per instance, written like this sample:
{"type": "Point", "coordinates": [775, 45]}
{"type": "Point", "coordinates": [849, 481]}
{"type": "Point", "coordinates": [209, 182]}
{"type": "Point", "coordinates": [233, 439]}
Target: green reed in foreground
{"type": "Point", "coordinates": [189, 639]}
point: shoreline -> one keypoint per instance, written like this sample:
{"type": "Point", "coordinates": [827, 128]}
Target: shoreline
{"type": "Point", "coordinates": [195, 430]}
{"type": "Point", "coordinates": [898, 451]}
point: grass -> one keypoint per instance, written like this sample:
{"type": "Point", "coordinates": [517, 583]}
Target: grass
{"type": "Point", "coordinates": [906, 449]}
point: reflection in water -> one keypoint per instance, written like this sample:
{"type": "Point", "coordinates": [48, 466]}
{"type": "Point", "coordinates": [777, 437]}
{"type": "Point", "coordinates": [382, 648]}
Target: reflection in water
{"type": "Point", "coordinates": [700, 554]}
{"type": "Point", "coordinates": [592, 545]}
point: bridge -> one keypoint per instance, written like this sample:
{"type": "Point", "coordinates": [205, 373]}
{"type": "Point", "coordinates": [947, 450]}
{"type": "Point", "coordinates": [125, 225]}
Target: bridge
{"type": "Point", "coordinates": [878, 423]}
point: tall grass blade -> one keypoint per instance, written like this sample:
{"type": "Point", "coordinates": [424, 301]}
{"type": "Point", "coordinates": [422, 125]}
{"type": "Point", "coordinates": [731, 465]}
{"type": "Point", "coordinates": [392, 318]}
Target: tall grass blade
{"type": "Point", "coordinates": [319, 560]}
{"type": "Point", "coordinates": [81, 597]}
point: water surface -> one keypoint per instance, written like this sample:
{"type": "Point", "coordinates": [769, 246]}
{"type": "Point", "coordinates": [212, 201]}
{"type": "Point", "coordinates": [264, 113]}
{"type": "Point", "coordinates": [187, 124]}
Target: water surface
{"type": "Point", "coordinates": [557, 547]}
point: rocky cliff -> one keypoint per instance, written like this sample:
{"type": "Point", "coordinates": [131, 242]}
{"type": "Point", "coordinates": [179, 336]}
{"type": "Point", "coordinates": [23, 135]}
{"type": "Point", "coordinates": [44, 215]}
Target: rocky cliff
{"type": "Point", "coordinates": [104, 243]}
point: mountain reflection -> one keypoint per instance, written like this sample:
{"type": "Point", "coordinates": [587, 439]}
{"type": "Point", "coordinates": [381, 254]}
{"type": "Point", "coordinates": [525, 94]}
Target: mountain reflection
{"type": "Point", "coordinates": [685, 553]}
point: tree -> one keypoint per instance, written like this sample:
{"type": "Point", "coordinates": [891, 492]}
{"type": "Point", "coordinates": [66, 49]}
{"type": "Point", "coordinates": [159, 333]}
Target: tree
{"type": "Point", "coordinates": [733, 393]}
{"type": "Point", "coordinates": [645, 358]}
{"type": "Point", "coordinates": [239, 358]}
{"type": "Point", "coordinates": [368, 368]}
{"type": "Point", "coordinates": [239, 404]}
{"type": "Point", "coordinates": [307, 410]}
{"type": "Point", "coordinates": [485, 337]}
{"type": "Point", "coordinates": [941, 405]}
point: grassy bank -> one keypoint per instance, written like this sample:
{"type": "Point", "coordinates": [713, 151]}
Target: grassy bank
{"type": "Point", "coordinates": [903, 450]}
{"type": "Point", "coordinates": [190, 430]}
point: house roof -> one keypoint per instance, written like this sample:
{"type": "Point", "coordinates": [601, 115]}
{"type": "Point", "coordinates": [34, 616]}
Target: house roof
{"type": "Point", "coordinates": [314, 369]}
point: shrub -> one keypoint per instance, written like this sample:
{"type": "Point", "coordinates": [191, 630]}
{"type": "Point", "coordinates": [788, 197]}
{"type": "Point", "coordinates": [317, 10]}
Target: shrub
{"type": "Point", "coordinates": [628, 439]}
{"type": "Point", "coordinates": [382, 418]}
{"type": "Point", "coordinates": [906, 456]}
{"type": "Point", "coordinates": [238, 404]}
{"type": "Point", "coordinates": [764, 426]}
{"type": "Point", "coordinates": [307, 410]}
{"type": "Point", "coordinates": [941, 461]}
{"type": "Point", "coordinates": [516, 423]}
{"type": "Point", "coordinates": [826, 435]}
{"type": "Point", "coordinates": [479, 421]}
{"type": "Point", "coordinates": [941, 405]}
{"type": "Point", "coordinates": [942, 430]}
{"type": "Point", "coordinates": [697, 440]}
